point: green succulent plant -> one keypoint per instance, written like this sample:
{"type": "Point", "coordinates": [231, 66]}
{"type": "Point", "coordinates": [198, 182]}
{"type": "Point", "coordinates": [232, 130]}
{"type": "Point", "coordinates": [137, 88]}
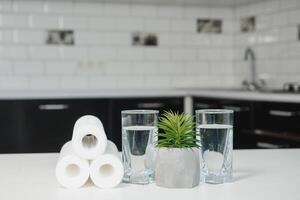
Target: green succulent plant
{"type": "Point", "coordinates": [177, 131]}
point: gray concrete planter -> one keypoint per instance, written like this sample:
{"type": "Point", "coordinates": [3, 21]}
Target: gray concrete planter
{"type": "Point", "coordinates": [177, 168]}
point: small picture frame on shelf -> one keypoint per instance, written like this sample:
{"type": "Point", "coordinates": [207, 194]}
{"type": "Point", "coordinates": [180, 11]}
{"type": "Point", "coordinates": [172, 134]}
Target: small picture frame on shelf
{"type": "Point", "coordinates": [144, 39]}
{"type": "Point", "coordinates": [248, 24]}
{"type": "Point", "coordinates": [209, 26]}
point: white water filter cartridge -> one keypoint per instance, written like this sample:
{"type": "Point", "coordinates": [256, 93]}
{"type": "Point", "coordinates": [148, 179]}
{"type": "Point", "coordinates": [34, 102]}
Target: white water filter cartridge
{"type": "Point", "coordinates": [71, 171]}
{"type": "Point", "coordinates": [106, 171]}
{"type": "Point", "coordinates": [89, 139]}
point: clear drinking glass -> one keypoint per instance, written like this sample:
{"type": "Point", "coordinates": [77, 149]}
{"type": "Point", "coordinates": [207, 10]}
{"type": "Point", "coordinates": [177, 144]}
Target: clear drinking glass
{"type": "Point", "coordinates": [215, 128]}
{"type": "Point", "coordinates": [139, 128]}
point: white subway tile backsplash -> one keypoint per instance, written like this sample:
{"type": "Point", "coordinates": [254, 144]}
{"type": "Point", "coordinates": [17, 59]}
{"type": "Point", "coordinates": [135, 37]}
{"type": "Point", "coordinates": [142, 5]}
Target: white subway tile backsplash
{"type": "Point", "coordinates": [58, 7]}
{"type": "Point", "coordinates": [100, 53]}
{"type": "Point", "coordinates": [289, 33]}
{"type": "Point", "coordinates": [184, 81]}
{"type": "Point", "coordinates": [74, 53]}
{"type": "Point", "coordinates": [176, 39]}
{"type": "Point", "coordinates": [61, 68]}
{"type": "Point", "coordinates": [280, 19]}
{"type": "Point", "coordinates": [90, 38]}
{"type": "Point", "coordinates": [156, 54]}
{"type": "Point", "coordinates": [86, 8]}
{"type": "Point", "coordinates": [74, 82]}
{"type": "Point", "coordinates": [143, 10]}
{"type": "Point", "coordinates": [184, 54]}
{"type": "Point", "coordinates": [157, 25]}
{"type": "Point", "coordinates": [44, 52]}
{"type": "Point", "coordinates": [27, 6]}
{"type": "Point", "coordinates": [101, 23]}
{"type": "Point", "coordinates": [131, 82]}
{"type": "Point", "coordinates": [157, 82]}
{"type": "Point", "coordinates": [103, 55]}
{"type": "Point", "coordinates": [15, 52]}
{"type": "Point", "coordinates": [197, 12]}
{"type": "Point", "coordinates": [45, 83]}
{"type": "Point", "coordinates": [118, 38]}
{"type": "Point", "coordinates": [196, 68]}
{"type": "Point", "coordinates": [221, 40]}
{"type": "Point", "coordinates": [116, 9]}
{"type": "Point", "coordinates": [14, 82]}
{"type": "Point", "coordinates": [24, 36]}
{"type": "Point", "coordinates": [130, 54]}
{"type": "Point", "coordinates": [6, 36]}
{"type": "Point", "coordinates": [5, 5]}
{"type": "Point", "coordinates": [221, 13]}
{"type": "Point", "coordinates": [171, 68]}
{"type": "Point", "coordinates": [103, 82]}
{"type": "Point", "coordinates": [6, 68]}
{"type": "Point", "coordinates": [288, 4]}
{"type": "Point", "coordinates": [170, 11]}
{"type": "Point", "coordinates": [118, 68]}
{"type": "Point", "coordinates": [294, 16]}
{"type": "Point", "coordinates": [130, 24]}
{"type": "Point", "coordinates": [72, 22]}
{"type": "Point", "coordinates": [45, 22]}
{"type": "Point", "coordinates": [183, 25]}
{"type": "Point", "coordinates": [28, 68]}
{"type": "Point", "coordinates": [14, 20]}
{"type": "Point", "coordinates": [195, 39]}
{"type": "Point", "coordinates": [145, 68]}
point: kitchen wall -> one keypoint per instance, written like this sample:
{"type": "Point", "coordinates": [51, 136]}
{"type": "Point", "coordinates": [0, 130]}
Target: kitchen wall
{"type": "Point", "coordinates": [275, 41]}
{"type": "Point", "coordinates": [103, 56]}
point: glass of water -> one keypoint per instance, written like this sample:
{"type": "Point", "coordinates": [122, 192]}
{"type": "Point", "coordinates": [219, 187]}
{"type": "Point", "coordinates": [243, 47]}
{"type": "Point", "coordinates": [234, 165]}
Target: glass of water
{"type": "Point", "coordinates": [139, 128]}
{"type": "Point", "coordinates": [215, 129]}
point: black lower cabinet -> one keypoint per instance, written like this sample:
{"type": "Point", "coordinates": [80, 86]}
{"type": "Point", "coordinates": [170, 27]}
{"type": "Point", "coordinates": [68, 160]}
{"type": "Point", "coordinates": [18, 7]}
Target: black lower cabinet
{"type": "Point", "coordinates": [35, 126]}
{"type": "Point", "coordinates": [10, 127]}
{"type": "Point", "coordinates": [44, 125]}
{"type": "Point", "coordinates": [260, 125]}
{"type": "Point", "coordinates": [117, 105]}
{"type": "Point", "coordinates": [277, 125]}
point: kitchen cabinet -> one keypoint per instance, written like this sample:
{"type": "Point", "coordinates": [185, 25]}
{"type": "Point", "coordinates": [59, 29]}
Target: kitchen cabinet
{"type": "Point", "coordinates": [161, 104]}
{"type": "Point", "coordinates": [277, 125]}
{"type": "Point", "coordinates": [259, 124]}
{"type": "Point", "coordinates": [31, 126]}
{"type": "Point", "coordinates": [44, 125]}
{"type": "Point", "coordinates": [10, 126]}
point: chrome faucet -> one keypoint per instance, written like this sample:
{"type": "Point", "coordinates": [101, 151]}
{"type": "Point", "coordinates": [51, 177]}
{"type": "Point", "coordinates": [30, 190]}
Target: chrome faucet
{"type": "Point", "coordinates": [253, 84]}
{"type": "Point", "coordinates": [250, 53]}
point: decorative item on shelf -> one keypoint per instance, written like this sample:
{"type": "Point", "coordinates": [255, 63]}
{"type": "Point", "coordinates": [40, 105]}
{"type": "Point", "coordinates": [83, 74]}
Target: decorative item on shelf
{"type": "Point", "coordinates": [177, 162]}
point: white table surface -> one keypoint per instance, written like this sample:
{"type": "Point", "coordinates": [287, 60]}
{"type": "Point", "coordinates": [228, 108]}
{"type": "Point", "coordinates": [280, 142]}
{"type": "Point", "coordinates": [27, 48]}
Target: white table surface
{"type": "Point", "coordinates": [258, 175]}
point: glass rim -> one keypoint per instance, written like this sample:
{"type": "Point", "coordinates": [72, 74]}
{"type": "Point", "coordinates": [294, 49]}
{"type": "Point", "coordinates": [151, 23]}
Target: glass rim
{"type": "Point", "coordinates": [214, 111]}
{"type": "Point", "coordinates": [140, 112]}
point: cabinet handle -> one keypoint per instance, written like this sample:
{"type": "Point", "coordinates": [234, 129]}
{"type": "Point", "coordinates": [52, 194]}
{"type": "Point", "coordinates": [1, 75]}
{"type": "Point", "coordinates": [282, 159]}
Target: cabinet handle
{"type": "Point", "coordinates": [54, 107]}
{"type": "Point", "coordinates": [267, 145]}
{"type": "Point", "coordinates": [282, 113]}
{"type": "Point", "coordinates": [236, 108]}
{"type": "Point", "coordinates": [202, 105]}
{"type": "Point", "coordinates": [150, 105]}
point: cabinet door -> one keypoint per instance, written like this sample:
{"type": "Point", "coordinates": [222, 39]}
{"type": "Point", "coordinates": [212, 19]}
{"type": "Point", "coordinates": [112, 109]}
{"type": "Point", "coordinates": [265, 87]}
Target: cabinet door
{"type": "Point", "coordinates": [10, 126]}
{"type": "Point", "coordinates": [278, 124]}
{"type": "Point", "coordinates": [45, 125]}
{"type": "Point", "coordinates": [161, 104]}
